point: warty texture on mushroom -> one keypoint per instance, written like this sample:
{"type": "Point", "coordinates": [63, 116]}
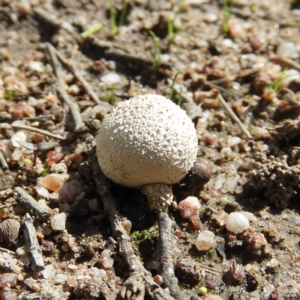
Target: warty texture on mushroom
{"type": "Point", "coordinates": [148, 142]}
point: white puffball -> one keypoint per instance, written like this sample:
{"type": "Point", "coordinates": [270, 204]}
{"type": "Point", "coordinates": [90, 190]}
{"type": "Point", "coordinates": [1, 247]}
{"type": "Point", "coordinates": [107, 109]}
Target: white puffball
{"type": "Point", "coordinates": [236, 222]}
{"type": "Point", "coordinates": [206, 240]}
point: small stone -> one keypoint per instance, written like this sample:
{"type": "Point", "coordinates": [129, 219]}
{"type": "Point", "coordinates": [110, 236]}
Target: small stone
{"type": "Point", "coordinates": [186, 270]}
{"type": "Point", "coordinates": [9, 230]}
{"type": "Point", "coordinates": [8, 278]}
{"type": "Point", "coordinates": [22, 109]}
{"type": "Point", "coordinates": [60, 279]}
{"type": "Point", "coordinates": [47, 247]}
{"type": "Point", "coordinates": [237, 223]}
{"type": "Point", "coordinates": [58, 222]}
{"type": "Point", "coordinates": [105, 259]}
{"type": "Point", "coordinates": [235, 28]}
{"type": "Point", "coordinates": [273, 265]}
{"type": "Point", "coordinates": [52, 182]}
{"type": "Point", "coordinates": [36, 66]}
{"type": "Point", "coordinates": [18, 136]}
{"type": "Point", "coordinates": [42, 192]}
{"type": "Point", "coordinates": [206, 240]}
{"type": "Point", "coordinates": [70, 190]}
{"type": "Point", "coordinates": [110, 78]}
{"type": "Point", "coordinates": [53, 157]}
{"type": "Point", "coordinates": [48, 272]}
{"type": "Point", "coordinates": [287, 49]}
{"type": "Point", "coordinates": [59, 168]}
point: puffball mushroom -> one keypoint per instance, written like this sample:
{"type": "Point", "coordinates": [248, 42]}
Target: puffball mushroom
{"type": "Point", "coordinates": [147, 142]}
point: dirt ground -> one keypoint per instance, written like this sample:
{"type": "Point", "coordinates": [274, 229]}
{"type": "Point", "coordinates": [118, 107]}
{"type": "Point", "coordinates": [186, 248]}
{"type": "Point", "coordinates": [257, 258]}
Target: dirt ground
{"type": "Point", "coordinates": [232, 66]}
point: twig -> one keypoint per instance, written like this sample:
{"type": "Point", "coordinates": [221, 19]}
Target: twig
{"type": "Point", "coordinates": [61, 90]}
{"type": "Point", "coordinates": [120, 234]}
{"type": "Point", "coordinates": [37, 130]}
{"type": "Point", "coordinates": [35, 252]}
{"type": "Point", "coordinates": [130, 58]}
{"type": "Point", "coordinates": [79, 77]}
{"type": "Point", "coordinates": [285, 62]}
{"type": "Point", "coordinates": [165, 239]}
{"type": "Point", "coordinates": [3, 161]}
{"type": "Point", "coordinates": [234, 117]}
{"type": "Point", "coordinates": [39, 209]}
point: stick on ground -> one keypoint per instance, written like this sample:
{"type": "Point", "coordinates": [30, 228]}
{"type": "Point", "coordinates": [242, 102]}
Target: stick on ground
{"type": "Point", "coordinates": [74, 109]}
{"type": "Point", "coordinates": [38, 209]}
{"type": "Point", "coordinates": [165, 241]}
{"type": "Point", "coordinates": [37, 130]}
{"type": "Point", "coordinates": [121, 236]}
{"type": "Point", "coordinates": [79, 77]}
{"type": "Point", "coordinates": [234, 117]}
{"type": "Point", "coordinates": [32, 244]}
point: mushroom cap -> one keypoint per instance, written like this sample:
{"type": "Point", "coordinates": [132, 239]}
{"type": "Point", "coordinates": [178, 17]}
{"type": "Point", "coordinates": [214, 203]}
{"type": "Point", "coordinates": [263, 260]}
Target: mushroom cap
{"type": "Point", "coordinates": [145, 140]}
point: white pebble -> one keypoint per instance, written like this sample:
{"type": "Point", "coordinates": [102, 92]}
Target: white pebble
{"type": "Point", "coordinates": [48, 272]}
{"type": "Point", "coordinates": [58, 222]}
{"type": "Point", "coordinates": [18, 136]}
{"type": "Point", "coordinates": [287, 49]}
{"type": "Point", "coordinates": [236, 222]}
{"type": "Point", "coordinates": [206, 240]}
{"type": "Point", "coordinates": [60, 278]}
{"type": "Point", "coordinates": [111, 78]}
{"type": "Point", "coordinates": [36, 66]}
{"type": "Point", "coordinates": [41, 191]}
{"type": "Point", "coordinates": [210, 17]}
{"type": "Point", "coordinates": [232, 141]}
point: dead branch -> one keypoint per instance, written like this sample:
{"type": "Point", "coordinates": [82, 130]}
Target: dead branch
{"type": "Point", "coordinates": [234, 117]}
{"type": "Point", "coordinates": [119, 232]}
{"type": "Point", "coordinates": [61, 90]}
{"type": "Point", "coordinates": [37, 130]}
{"type": "Point", "coordinates": [39, 209]}
{"type": "Point", "coordinates": [35, 252]}
{"type": "Point", "coordinates": [79, 77]}
{"type": "Point", "coordinates": [165, 238]}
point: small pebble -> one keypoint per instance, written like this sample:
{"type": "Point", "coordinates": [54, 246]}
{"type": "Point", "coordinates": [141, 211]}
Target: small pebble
{"type": "Point", "coordinates": [9, 230]}
{"type": "Point", "coordinates": [110, 78]}
{"type": "Point", "coordinates": [48, 272]}
{"type": "Point", "coordinates": [206, 240]}
{"type": "Point", "coordinates": [18, 136]}
{"type": "Point", "coordinates": [105, 259]}
{"type": "Point", "coordinates": [8, 278]}
{"type": "Point", "coordinates": [70, 191]}
{"type": "Point", "coordinates": [287, 49]}
{"type": "Point", "coordinates": [58, 222]}
{"type": "Point", "coordinates": [52, 182]}
{"type": "Point", "coordinates": [237, 223]}
{"type": "Point", "coordinates": [60, 279]}
{"type": "Point", "coordinates": [203, 290]}
{"type": "Point", "coordinates": [36, 66]}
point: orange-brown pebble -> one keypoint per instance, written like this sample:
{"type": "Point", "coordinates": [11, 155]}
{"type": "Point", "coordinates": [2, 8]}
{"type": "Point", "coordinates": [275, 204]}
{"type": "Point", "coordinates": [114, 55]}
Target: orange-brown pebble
{"type": "Point", "coordinates": [52, 182]}
{"type": "Point", "coordinates": [22, 109]}
{"type": "Point", "coordinates": [53, 157]}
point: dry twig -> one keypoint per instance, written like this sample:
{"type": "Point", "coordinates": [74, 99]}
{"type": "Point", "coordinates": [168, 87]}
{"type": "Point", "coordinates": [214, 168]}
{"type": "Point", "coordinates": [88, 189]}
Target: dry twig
{"type": "Point", "coordinates": [125, 248]}
{"type": "Point", "coordinates": [35, 252]}
{"type": "Point", "coordinates": [61, 90]}
{"type": "Point", "coordinates": [234, 117]}
{"type": "Point", "coordinates": [39, 209]}
{"type": "Point", "coordinates": [165, 239]}
{"type": "Point", "coordinates": [79, 77]}
{"type": "Point", "coordinates": [37, 130]}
